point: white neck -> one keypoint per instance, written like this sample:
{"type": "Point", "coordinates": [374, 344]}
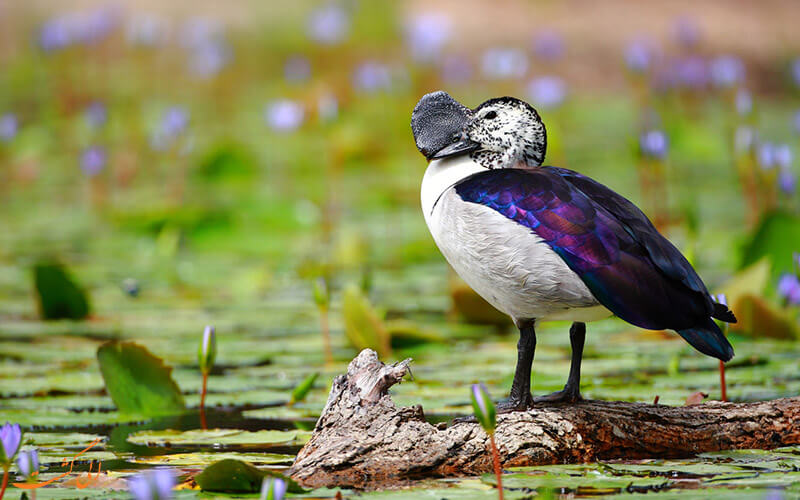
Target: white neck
{"type": "Point", "coordinates": [442, 175]}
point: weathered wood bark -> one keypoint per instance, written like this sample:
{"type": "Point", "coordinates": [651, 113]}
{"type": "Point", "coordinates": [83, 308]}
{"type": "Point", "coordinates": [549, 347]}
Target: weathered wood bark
{"type": "Point", "coordinates": [363, 440]}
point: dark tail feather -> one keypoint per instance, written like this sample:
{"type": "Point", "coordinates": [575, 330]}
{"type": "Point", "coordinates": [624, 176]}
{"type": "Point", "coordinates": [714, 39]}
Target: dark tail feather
{"type": "Point", "coordinates": [722, 313]}
{"type": "Point", "coordinates": [709, 340]}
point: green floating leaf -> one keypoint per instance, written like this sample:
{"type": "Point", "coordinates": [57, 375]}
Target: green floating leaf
{"type": "Point", "coordinates": [138, 382]}
{"type": "Point", "coordinates": [198, 437]}
{"type": "Point", "coordinates": [776, 237]}
{"type": "Point", "coordinates": [235, 476]}
{"type": "Point", "coordinates": [205, 459]}
{"type": "Point", "coordinates": [363, 326]}
{"type": "Point", "coordinates": [58, 295]}
{"type": "Point", "coordinates": [406, 334]}
{"type": "Point", "coordinates": [474, 308]}
{"type": "Point", "coordinates": [302, 388]}
{"type": "Point", "coordinates": [759, 318]}
{"type": "Point", "coordinates": [751, 280]}
{"type": "Point", "coordinates": [228, 162]}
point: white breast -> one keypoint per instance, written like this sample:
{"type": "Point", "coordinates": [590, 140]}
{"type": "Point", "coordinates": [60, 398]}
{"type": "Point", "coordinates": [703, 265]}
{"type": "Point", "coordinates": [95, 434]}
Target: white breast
{"type": "Point", "coordinates": [503, 261]}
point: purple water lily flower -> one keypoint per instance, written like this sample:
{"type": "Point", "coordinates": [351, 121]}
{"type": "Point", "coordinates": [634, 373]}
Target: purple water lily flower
{"type": "Point", "coordinates": [273, 489]}
{"type": "Point", "coordinates": [483, 407]}
{"type": "Point", "coordinates": [765, 155]}
{"type": "Point", "coordinates": [457, 69]}
{"type": "Point", "coordinates": [653, 144]}
{"type": "Point", "coordinates": [93, 160]}
{"type": "Point", "coordinates": [426, 35]}
{"type": "Point", "coordinates": [639, 56]}
{"type": "Point", "coordinates": [691, 72]}
{"type": "Point", "coordinates": [208, 59]}
{"type": "Point", "coordinates": [329, 25]}
{"type": "Point", "coordinates": [154, 484]}
{"type": "Point", "coordinates": [81, 27]}
{"type": "Point", "coordinates": [8, 127]}
{"type": "Point", "coordinates": [173, 123]}
{"type": "Point", "coordinates": [789, 288]}
{"type": "Point", "coordinates": [55, 34]}
{"type": "Point", "coordinates": [96, 114]}
{"type": "Point", "coordinates": [28, 462]}
{"type": "Point", "coordinates": [687, 31]}
{"type": "Point", "coordinates": [727, 71]}
{"type": "Point", "coordinates": [284, 115]}
{"type": "Point", "coordinates": [504, 63]}
{"type": "Point", "coordinates": [548, 45]}
{"type": "Point", "coordinates": [297, 69]}
{"type": "Point", "coordinates": [787, 181]}
{"type": "Point", "coordinates": [783, 155]}
{"type": "Point", "coordinates": [547, 91]}
{"type": "Point", "coordinates": [372, 76]}
{"type": "Point", "coordinates": [208, 349]}
{"type": "Point", "coordinates": [10, 438]}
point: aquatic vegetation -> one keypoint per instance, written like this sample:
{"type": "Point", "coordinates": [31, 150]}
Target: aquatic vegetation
{"type": "Point", "coordinates": [485, 412]}
{"type": "Point", "coordinates": [547, 92]}
{"type": "Point", "coordinates": [273, 489]}
{"type": "Point", "coordinates": [155, 484]}
{"type": "Point", "coordinates": [10, 438]}
{"type": "Point", "coordinates": [196, 165]}
{"type": "Point", "coordinates": [206, 355]}
{"type": "Point", "coordinates": [28, 463]}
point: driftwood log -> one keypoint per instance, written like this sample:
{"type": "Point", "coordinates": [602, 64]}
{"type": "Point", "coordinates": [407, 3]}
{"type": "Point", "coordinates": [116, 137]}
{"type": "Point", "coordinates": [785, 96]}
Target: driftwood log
{"type": "Point", "coordinates": [363, 440]}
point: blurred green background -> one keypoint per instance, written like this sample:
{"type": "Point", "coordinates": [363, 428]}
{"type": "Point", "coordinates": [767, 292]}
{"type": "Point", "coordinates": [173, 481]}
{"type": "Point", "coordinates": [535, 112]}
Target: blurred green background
{"type": "Point", "coordinates": [251, 166]}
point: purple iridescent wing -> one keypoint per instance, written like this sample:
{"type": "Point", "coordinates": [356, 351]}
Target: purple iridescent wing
{"type": "Point", "coordinates": [641, 278]}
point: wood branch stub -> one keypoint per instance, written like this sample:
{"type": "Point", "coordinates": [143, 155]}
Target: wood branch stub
{"type": "Point", "coordinates": [363, 440]}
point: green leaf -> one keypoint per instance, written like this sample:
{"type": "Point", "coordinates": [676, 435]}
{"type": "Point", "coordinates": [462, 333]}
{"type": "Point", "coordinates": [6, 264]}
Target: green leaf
{"type": "Point", "coordinates": [405, 334]}
{"type": "Point", "coordinates": [751, 280]}
{"type": "Point", "coordinates": [138, 382]}
{"type": "Point", "coordinates": [58, 295]}
{"type": "Point", "coordinates": [235, 476]}
{"type": "Point", "coordinates": [474, 308]}
{"type": "Point", "coordinates": [363, 326]}
{"type": "Point", "coordinates": [214, 437]}
{"type": "Point", "coordinates": [302, 388]}
{"type": "Point", "coordinates": [776, 237]}
{"type": "Point", "coordinates": [759, 318]}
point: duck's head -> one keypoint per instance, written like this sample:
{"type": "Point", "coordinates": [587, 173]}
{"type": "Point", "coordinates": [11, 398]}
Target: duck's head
{"type": "Point", "coordinates": [503, 132]}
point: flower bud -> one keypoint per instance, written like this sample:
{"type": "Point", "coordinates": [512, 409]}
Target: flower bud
{"type": "Point", "coordinates": [484, 408]}
{"type": "Point", "coordinates": [208, 350]}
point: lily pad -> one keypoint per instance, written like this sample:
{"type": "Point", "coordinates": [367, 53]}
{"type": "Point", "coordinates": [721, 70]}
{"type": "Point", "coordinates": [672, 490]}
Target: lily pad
{"type": "Point", "coordinates": [213, 437]}
{"type": "Point", "coordinates": [138, 382]}
{"type": "Point", "coordinates": [235, 476]}
{"type": "Point", "coordinates": [59, 296]}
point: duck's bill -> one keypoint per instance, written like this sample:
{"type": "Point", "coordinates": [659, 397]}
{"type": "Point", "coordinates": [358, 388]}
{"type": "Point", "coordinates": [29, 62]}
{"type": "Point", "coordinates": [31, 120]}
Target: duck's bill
{"type": "Point", "coordinates": [461, 147]}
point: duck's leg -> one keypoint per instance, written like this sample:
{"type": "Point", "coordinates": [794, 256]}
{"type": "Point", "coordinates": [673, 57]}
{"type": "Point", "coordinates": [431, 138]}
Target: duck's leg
{"type": "Point", "coordinates": [520, 398]}
{"type": "Point", "coordinates": [571, 391]}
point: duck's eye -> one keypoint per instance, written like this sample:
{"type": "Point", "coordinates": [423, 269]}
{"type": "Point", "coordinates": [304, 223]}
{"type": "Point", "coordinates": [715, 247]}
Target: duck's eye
{"type": "Point", "coordinates": [491, 115]}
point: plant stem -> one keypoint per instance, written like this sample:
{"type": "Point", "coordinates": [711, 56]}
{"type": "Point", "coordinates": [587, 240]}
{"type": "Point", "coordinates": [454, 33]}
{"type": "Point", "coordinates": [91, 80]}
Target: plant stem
{"type": "Point", "coordinates": [722, 381]}
{"type": "Point", "coordinates": [498, 472]}
{"type": "Point", "coordinates": [5, 482]}
{"type": "Point", "coordinates": [326, 335]}
{"type": "Point", "coordinates": [202, 402]}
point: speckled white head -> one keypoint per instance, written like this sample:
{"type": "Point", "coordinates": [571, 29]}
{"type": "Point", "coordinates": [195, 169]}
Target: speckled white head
{"type": "Point", "coordinates": [509, 132]}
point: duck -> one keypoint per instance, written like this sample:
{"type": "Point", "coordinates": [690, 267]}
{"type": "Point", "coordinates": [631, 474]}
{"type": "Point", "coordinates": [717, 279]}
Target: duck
{"type": "Point", "coordinates": [543, 243]}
